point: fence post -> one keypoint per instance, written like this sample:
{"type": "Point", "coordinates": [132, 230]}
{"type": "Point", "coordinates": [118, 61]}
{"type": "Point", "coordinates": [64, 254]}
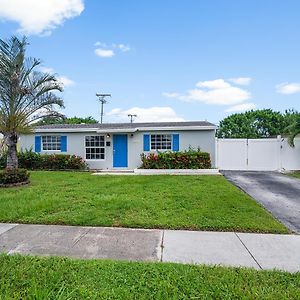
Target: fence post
{"type": "Point", "coordinates": [247, 154]}
{"type": "Point", "coordinates": [216, 153]}
{"type": "Point", "coordinates": [279, 140]}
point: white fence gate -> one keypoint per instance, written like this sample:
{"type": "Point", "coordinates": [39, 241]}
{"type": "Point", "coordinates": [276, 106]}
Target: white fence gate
{"type": "Point", "coordinates": [257, 154]}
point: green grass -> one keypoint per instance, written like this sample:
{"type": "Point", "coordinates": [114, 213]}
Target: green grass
{"type": "Point", "coordinates": [295, 174]}
{"type": "Point", "coordinates": [177, 202]}
{"type": "Point", "coordinates": [61, 278]}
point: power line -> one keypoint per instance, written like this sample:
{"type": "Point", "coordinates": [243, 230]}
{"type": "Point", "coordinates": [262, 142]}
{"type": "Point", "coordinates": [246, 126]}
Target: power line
{"type": "Point", "coordinates": [101, 98]}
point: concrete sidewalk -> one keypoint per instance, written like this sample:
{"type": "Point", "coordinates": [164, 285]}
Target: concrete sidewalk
{"type": "Point", "coordinates": [259, 251]}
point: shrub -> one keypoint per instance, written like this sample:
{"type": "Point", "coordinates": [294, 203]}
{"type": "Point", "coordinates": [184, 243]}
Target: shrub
{"type": "Point", "coordinates": [191, 159]}
{"type": "Point", "coordinates": [36, 161]}
{"type": "Point", "coordinates": [30, 160]}
{"type": "Point", "coordinates": [62, 162]}
{"type": "Point", "coordinates": [13, 176]}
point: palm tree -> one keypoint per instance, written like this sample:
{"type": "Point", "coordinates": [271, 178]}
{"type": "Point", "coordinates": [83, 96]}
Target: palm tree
{"type": "Point", "coordinates": [293, 130]}
{"type": "Point", "coordinates": [26, 95]}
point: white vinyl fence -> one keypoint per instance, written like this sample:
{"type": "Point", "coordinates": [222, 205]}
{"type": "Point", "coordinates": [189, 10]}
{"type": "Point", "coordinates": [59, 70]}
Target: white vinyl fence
{"type": "Point", "coordinates": [257, 154]}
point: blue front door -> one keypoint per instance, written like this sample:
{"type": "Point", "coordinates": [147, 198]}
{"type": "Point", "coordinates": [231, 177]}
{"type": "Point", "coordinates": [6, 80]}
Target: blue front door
{"type": "Point", "coordinates": [120, 149]}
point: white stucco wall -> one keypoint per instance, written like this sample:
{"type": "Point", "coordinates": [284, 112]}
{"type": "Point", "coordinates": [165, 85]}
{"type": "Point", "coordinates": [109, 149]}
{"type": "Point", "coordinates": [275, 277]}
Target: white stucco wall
{"type": "Point", "coordinates": [205, 139]}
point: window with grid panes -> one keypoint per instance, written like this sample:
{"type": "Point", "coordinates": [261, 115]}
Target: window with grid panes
{"type": "Point", "coordinates": [95, 147]}
{"type": "Point", "coordinates": [51, 143]}
{"type": "Point", "coordinates": [161, 142]}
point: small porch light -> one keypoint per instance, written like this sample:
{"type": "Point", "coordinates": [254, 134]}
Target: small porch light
{"type": "Point", "coordinates": [108, 135]}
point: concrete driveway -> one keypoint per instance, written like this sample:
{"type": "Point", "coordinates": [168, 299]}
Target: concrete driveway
{"type": "Point", "coordinates": [278, 193]}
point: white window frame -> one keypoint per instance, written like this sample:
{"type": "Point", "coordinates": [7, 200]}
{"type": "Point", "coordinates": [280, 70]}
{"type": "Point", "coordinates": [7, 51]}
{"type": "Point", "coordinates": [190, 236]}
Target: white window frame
{"type": "Point", "coordinates": [162, 134]}
{"type": "Point", "coordinates": [51, 136]}
{"type": "Point", "coordinates": [85, 147]}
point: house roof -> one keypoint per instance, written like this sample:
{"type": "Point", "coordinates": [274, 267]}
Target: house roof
{"type": "Point", "coordinates": [127, 127]}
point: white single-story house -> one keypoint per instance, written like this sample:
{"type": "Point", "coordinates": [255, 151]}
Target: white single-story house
{"type": "Point", "coordinates": [119, 145]}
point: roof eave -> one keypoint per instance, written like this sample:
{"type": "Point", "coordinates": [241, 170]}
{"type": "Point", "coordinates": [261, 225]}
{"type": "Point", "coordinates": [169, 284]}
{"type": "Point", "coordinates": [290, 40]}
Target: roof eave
{"type": "Point", "coordinates": [61, 130]}
{"type": "Point", "coordinates": [180, 128]}
{"type": "Point", "coordinates": [129, 130]}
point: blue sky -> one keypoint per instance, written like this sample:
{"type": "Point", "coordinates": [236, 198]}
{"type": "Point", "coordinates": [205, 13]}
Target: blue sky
{"type": "Point", "coordinates": [165, 60]}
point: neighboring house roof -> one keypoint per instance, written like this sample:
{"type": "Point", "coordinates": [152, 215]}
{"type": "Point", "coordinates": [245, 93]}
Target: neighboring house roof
{"type": "Point", "coordinates": [127, 127]}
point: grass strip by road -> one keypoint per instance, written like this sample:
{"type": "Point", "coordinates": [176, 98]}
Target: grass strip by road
{"type": "Point", "coordinates": [61, 278]}
{"type": "Point", "coordinates": [172, 202]}
{"type": "Point", "coordinates": [295, 174]}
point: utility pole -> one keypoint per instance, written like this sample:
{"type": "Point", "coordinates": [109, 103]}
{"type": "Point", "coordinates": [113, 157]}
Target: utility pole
{"type": "Point", "coordinates": [103, 101]}
{"type": "Point", "coordinates": [131, 116]}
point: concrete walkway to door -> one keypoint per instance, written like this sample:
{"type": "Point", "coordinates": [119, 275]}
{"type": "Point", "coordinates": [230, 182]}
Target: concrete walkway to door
{"type": "Point", "coordinates": [278, 193]}
{"type": "Point", "coordinates": [259, 251]}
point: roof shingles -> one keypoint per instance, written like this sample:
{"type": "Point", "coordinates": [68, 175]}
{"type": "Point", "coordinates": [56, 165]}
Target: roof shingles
{"type": "Point", "coordinates": [126, 125]}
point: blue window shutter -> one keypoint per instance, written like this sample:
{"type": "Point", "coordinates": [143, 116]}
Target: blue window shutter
{"type": "Point", "coordinates": [63, 140]}
{"type": "Point", "coordinates": [175, 142]}
{"type": "Point", "coordinates": [37, 143]}
{"type": "Point", "coordinates": [146, 142]}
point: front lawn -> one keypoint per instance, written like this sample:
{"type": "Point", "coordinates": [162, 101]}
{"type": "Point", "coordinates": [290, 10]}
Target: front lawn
{"type": "Point", "coordinates": [61, 278]}
{"type": "Point", "coordinates": [177, 202]}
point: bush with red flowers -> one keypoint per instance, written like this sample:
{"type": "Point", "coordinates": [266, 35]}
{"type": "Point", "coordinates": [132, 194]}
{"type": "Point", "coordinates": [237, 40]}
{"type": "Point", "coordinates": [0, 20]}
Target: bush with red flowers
{"type": "Point", "coordinates": [190, 159]}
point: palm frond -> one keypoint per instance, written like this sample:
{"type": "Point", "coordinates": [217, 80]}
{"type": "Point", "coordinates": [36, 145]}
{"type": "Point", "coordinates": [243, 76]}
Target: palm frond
{"type": "Point", "coordinates": [26, 94]}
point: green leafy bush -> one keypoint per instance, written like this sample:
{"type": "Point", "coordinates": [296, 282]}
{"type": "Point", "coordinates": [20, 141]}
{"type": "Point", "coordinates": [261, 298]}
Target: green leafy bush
{"type": "Point", "coordinates": [191, 159]}
{"type": "Point", "coordinates": [13, 176]}
{"type": "Point", "coordinates": [36, 161]}
{"type": "Point", "coordinates": [62, 162]}
{"type": "Point", "coordinates": [30, 160]}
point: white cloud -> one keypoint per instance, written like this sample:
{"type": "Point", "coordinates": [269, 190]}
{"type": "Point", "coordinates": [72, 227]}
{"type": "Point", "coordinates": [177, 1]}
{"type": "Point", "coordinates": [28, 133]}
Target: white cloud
{"type": "Point", "coordinates": [124, 48]}
{"type": "Point", "coordinates": [241, 80]}
{"type": "Point", "coordinates": [47, 70]}
{"type": "Point", "coordinates": [217, 92]}
{"type": "Point", "coordinates": [213, 84]}
{"type": "Point", "coordinates": [151, 114]}
{"type": "Point", "coordinates": [104, 52]}
{"type": "Point", "coordinates": [98, 44]}
{"type": "Point", "coordinates": [288, 88]}
{"type": "Point", "coordinates": [171, 95]}
{"type": "Point", "coordinates": [64, 80]}
{"type": "Point", "coordinates": [39, 16]}
{"type": "Point", "coordinates": [241, 107]}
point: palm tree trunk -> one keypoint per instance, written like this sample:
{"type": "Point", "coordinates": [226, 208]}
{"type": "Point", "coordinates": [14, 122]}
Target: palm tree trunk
{"type": "Point", "coordinates": [12, 157]}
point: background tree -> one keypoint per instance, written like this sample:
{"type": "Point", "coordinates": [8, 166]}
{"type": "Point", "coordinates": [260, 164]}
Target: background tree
{"type": "Point", "coordinates": [293, 129]}
{"type": "Point", "coordinates": [26, 95]}
{"type": "Point", "coordinates": [255, 124]}
{"type": "Point", "coordinates": [64, 120]}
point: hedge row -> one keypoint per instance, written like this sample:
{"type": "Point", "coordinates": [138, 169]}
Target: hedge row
{"type": "Point", "coordinates": [191, 159]}
{"type": "Point", "coordinates": [36, 161]}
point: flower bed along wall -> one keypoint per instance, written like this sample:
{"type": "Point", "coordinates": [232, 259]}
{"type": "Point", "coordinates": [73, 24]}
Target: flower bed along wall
{"type": "Point", "coordinates": [36, 161]}
{"type": "Point", "coordinates": [191, 159]}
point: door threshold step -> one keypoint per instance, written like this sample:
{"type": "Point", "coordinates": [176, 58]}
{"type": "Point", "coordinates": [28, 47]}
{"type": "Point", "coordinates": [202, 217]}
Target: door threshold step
{"type": "Point", "coordinates": [115, 171]}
